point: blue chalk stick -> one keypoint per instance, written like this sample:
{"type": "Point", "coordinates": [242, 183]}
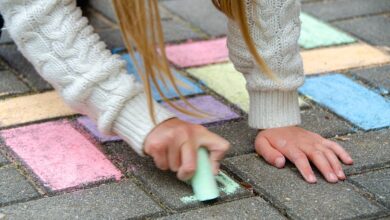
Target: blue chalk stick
{"type": "Point", "coordinates": [169, 92]}
{"type": "Point", "coordinates": [348, 99]}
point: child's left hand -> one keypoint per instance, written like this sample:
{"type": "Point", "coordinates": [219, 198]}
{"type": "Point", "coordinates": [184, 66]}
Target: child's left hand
{"type": "Point", "coordinates": [300, 146]}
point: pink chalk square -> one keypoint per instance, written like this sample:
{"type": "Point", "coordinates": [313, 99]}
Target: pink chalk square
{"type": "Point", "coordinates": [207, 104]}
{"type": "Point", "coordinates": [60, 156]}
{"type": "Point", "coordinates": [87, 123]}
{"type": "Point", "coordinates": [198, 53]}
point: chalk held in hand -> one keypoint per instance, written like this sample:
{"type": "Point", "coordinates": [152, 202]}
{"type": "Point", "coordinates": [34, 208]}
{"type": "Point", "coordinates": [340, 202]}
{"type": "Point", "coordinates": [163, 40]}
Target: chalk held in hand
{"type": "Point", "coordinates": [203, 182]}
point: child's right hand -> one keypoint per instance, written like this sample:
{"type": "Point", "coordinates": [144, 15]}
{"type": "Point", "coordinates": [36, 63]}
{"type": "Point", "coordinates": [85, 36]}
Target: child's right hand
{"type": "Point", "coordinates": [173, 144]}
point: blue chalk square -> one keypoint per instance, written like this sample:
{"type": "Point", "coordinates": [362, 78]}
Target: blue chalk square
{"type": "Point", "coordinates": [169, 92]}
{"type": "Point", "coordinates": [348, 99]}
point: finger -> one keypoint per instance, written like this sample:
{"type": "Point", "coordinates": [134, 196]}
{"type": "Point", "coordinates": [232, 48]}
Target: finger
{"type": "Point", "coordinates": [323, 165]}
{"type": "Point", "coordinates": [300, 160]}
{"type": "Point", "coordinates": [174, 158]}
{"type": "Point", "coordinates": [270, 154]}
{"type": "Point", "coordinates": [335, 163]}
{"type": "Point", "coordinates": [216, 145]}
{"type": "Point", "coordinates": [188, 161]}
{"type": "Point", "coordinates": [339, 150]}
{"type": "Point", "coordinates": [160, 159]}
{"type": "Point", "coordinates": [215, 168]}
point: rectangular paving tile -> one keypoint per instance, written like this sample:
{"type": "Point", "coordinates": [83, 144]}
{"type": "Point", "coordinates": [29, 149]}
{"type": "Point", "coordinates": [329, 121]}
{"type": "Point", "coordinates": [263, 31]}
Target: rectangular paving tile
{"type": "Point", "coordinates": [172, 192]}
{"type": "Point", "coordinates": [376, 182]}
{"type": "Point", "coordinates": [14, 187]}
{"type": "Point", "coordinates": [377, 76]}
{"type": "Point", "coordinates": [59, 155]}
{"type": "Point", "coordinates": [10, 84]}
{"type": "Point", "coordinates": [169, 92]}
{"type": "Point", "coordinates": [251, 208]}
{"type": "Point", "coordinates": [315, 33]}
{"type": "Point", "coordinates": [368, 150]}
{"type": "Point", "coordinates": [2, 160]}
{"type": "Point", "coordinates": [31, 108]}
{"type": "Point", "coordinates": [343, 9]}
{"type": "Point", "coordinates": [357, 104]}
{"type": "Point", "coordinates": [91, 126]}
{"type": "Point", "coordinates": [208, 104]}
{"type": "Point", "coordinates": [342, 58]}
{"type": "Point", "coordinates": [198, 53]}
{"type": "Point", "coordinates": [373, 29]}
{"type": "Point", "coordinates": [300, 200]}
{"type": "Point", "coordinates": [123, 200]}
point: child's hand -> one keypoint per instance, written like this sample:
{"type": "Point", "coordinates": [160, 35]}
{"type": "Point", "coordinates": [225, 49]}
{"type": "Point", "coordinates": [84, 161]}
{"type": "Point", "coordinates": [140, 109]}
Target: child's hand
{"type": "Point", "coordinates": [300, 146]}
{"type": "Point", "coordinates": [173, 145]}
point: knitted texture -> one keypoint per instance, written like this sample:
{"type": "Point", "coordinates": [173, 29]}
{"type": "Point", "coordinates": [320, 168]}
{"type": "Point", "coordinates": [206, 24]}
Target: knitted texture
{"type": "Point", "coordinates": [65, 51]}
{"type": "Point", "coordinates": [274, 28]}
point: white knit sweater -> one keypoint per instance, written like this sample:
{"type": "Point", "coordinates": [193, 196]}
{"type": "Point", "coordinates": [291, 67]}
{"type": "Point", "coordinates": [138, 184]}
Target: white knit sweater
{"type": "Point", "coordinates": [57, 40]}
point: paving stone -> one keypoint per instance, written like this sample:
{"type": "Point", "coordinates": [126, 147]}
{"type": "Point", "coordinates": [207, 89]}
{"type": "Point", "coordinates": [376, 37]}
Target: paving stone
{"type": "Point", "coordinates": [105, 7]}
{"type": "Point", "coordinates": [357, 104]}
{"type": "Point", "coordinates": [3, 160]}
{"type": "Point", "coordinates": [113, 201]}
{"type": "Point", "coordinates": [342, 9]}
{"type": "Point", "coordinates": [31, 108]}
{"type": "Point", "coordinates": [112, 37]}
{"type": "Point", "coordinates": [374, 29]}
{"type": "Point", "coordinates": [251, 208]}
{"type": "Point", "coordinates": [300, 200]}
{"type": "Point", "coordinates": [91, 126]}
{"type": "Point", "coordinates": [97, 20]}
{"type": "Point", "coordinates": [341, 58]}
{"type": "Point", "coordinates": [376, 182]}
{"type": "Point", "coordinates": [5, 38]}
{"type": "Point", "coordinates": [10, 55]}
{"type": "Point", "coordinates": [368, 150]}
{"type": "Point", "coordinates": [172, 192]}
{"type": "Point", "coordinates": [10, 84]}
{"type": "Point", "coordinates": [14, 187]}
{"type": "Point", "coordinates": [377, 76]}
{"type": "Point", "coordinates": [207, 104]}
{"type": "Point", "coordinates": [200, 13]}
{"type": "Point", "coordinates": [169, 92]}
{"type": "Point", "coordinates": [60, 156]}
{"type": "Point", "coordinates": [315, 33]}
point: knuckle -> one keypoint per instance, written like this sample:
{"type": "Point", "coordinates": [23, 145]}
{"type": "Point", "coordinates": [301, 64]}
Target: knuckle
{"type": "Point", "coordinates": [154, 147]}
{"type": "Point", "coordinates": [315, 153]}
{"type": "Point", "coordinates": [189, 168]}
{"type": "Point", "coordinates": [298, 156]}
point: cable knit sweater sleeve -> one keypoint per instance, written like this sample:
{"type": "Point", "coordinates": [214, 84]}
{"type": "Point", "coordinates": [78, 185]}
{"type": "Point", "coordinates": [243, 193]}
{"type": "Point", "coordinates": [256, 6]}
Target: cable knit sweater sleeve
{"type": "Point", "coordinates": [275, 28]}
{"type": "Point", "coordinates": [57, 40]}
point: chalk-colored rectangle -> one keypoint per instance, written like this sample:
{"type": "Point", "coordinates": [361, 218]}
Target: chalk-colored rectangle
{"type": "Point", "coordinates": [357, 104]}
{"type": "Point", "coordinates": [59, 155]}
{"type": "Point", "coordinates": [169, 92]}
{"type": "Point", "coordinates": [207, 104]}
{"type": "Point", "coordinates": [31, 108]}
{"type": "Point", "coordinates": [198, 53]}
{"type": "Point", "coordinates": [315, 33]}
{"type": "Point", "coordinates": [342, 58]}
{"type": "Point", "coordinates": [91, 126]}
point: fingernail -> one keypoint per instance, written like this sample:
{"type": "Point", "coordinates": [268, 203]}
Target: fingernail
{"type": "Point", "coordinates": [312, 178]}
{"type": "Point", "coordinates": [279, 162]}
{"type": "Point", "coordinates": [341, 174]}
{"type": "Point", "coordinates": [332, 177]}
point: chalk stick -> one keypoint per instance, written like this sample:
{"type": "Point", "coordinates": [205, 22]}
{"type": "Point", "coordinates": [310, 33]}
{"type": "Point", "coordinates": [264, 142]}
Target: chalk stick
{"type": "Point", "coordinates": [203, 182]}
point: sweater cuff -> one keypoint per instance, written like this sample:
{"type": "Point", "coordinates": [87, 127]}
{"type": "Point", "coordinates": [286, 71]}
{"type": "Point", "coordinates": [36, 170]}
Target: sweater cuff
{"type": "Point", "coordinates": [272, 109]}
{"type": "Point", "coordinates": [133, 123]}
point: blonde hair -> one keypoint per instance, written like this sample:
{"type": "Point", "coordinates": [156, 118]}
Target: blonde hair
{"type": "Point", "coordinates": [141, 29]}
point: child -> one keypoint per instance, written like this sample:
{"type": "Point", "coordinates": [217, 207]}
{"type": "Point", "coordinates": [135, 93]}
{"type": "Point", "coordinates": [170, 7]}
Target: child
{"type": "Point", "coordinates": [262, 42]}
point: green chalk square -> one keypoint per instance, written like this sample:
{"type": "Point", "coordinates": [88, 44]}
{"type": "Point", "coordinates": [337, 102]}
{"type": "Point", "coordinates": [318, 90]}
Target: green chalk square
{"type": "Point", "coordinates": [315, 33]}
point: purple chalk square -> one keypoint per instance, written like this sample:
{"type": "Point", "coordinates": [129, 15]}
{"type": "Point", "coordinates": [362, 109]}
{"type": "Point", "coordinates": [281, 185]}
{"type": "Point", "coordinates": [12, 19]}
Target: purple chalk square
{"type": "Point", "coordinates": [91, 127]}
{"type": "Point", "coordinates": [208, 104]}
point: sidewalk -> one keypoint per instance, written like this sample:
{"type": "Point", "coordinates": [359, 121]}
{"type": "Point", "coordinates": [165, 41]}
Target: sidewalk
{"type": "Point", "coordinates": [54, 164]}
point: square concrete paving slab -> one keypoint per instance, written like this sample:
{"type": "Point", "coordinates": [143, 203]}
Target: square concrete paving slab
{"type": "Point", "coordinates": [3, 161]}
{"type": "Point", "coordinates": [11, 56]}
{"type": "Point", "coordinates": [287, 189]}
{"type": "Point", "coordinates": [91, 126]}
{"type": "Point", "coordinates": [171, 191]}
{"type": "Point", "coordinates": [112, 37]}
{"type": "Point", "coordinates": [97, 20]}
{"type": "Point", "coordinates": [251, 208]}
{"type": "Point", "coordinates": [376, 182]}
{"type": "Point", "coordinates": [374, 29]}
{"type": "Point", "coordinates": [14, 187]}
{"type": "Point", "coordinates": [105, 7]}
{"type": "Point", "coordinates": [368, 150]}
{"type": "Point", "coordinates": [10, 84]}
{"type": "Point", "coordinates": [207, 104]}
{"type": "Point", "coordinates": [123, 200]}
{"type": "Point", "coordinates": [377, 76]}
{"type": "Point", "coordinates": [348, 99]}
{"type": "Point", "coordinates": [31, 108]}
{"type": "Point", "coordinates": [201, 14]}
{"type": "Point", "coordinates": [342, 9]}
{"type": "Point", "coordinates": [59, 156]}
